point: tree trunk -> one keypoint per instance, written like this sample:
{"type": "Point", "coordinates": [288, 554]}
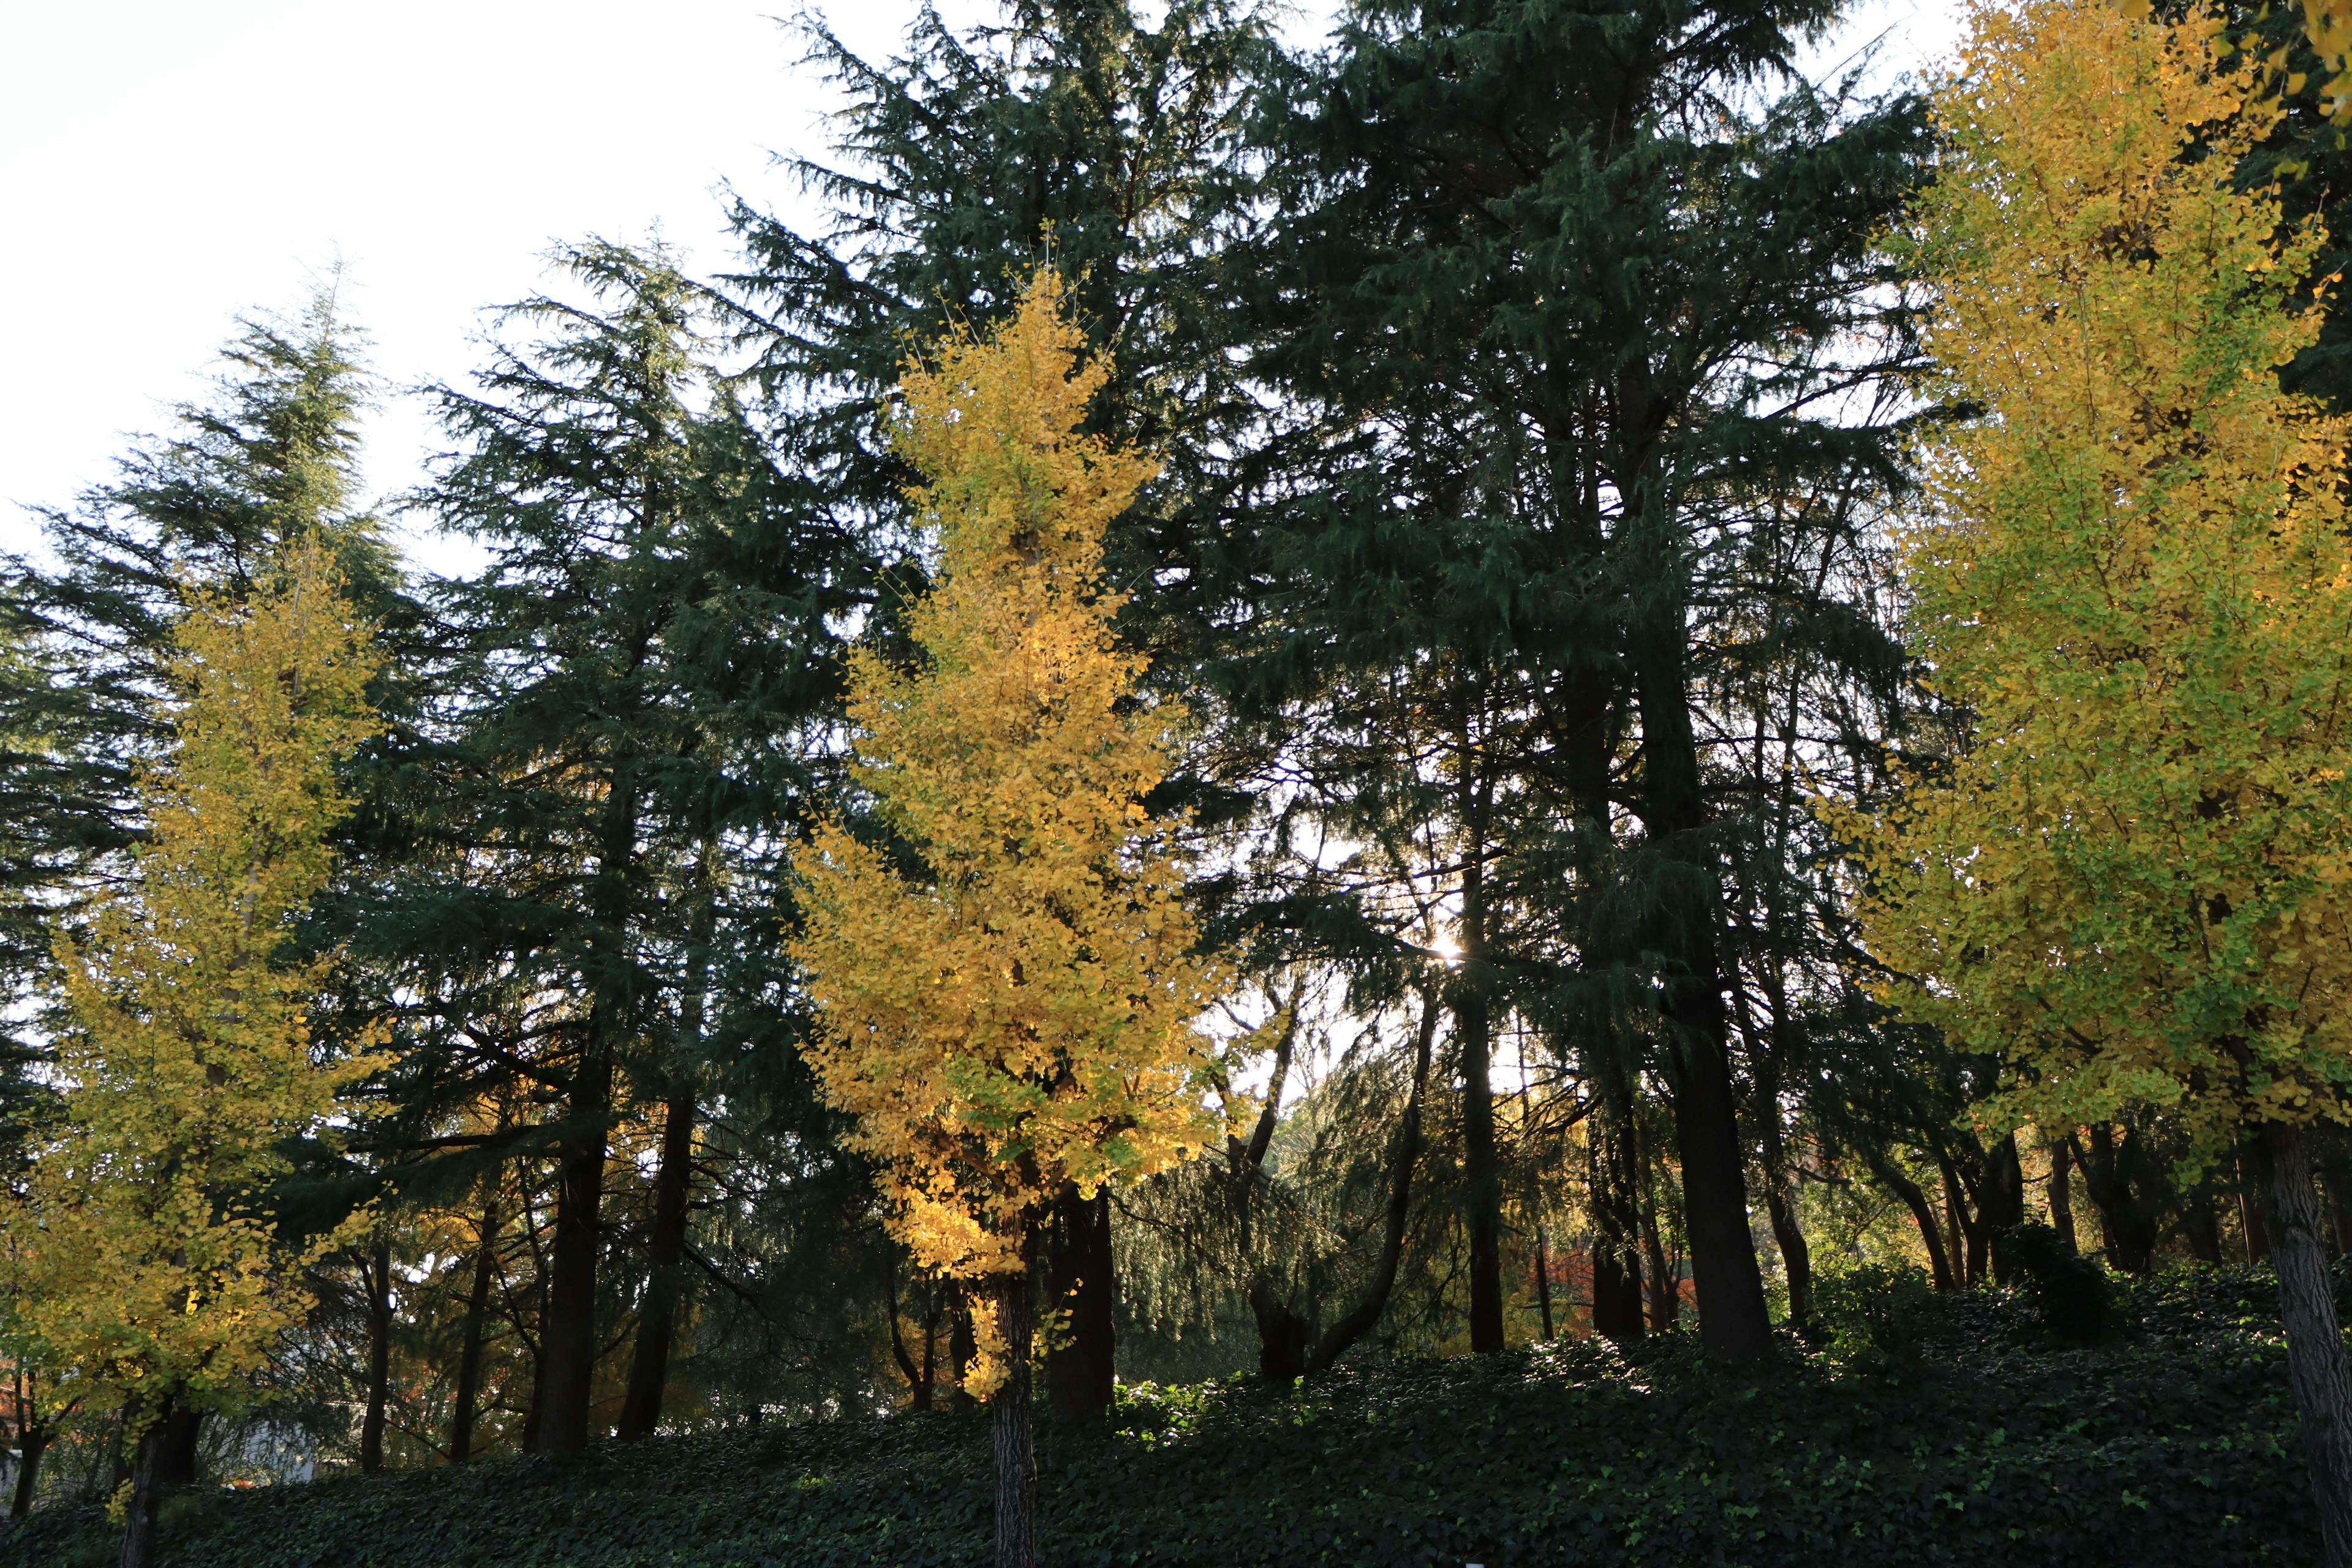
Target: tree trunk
{"type": "Point", "coordinates": [176, 1461]}
{"type": "Point", "coordinates": [1733, 1319]}
{"type": "Point", "coordinates": [1665, 1290]}
{"type": "Point", "coordinates": [567, 1332]}
{"type": "Point", "coordinates": [2250, 1210]}
{"type": "Point", "coordinates": [2315, 1344]}
{"type": "Point", "coordinates": [2000, 1205]}
{"type": "Point", "coordinates": [1473, 1026]}
{"type": "Point", "coordinates": [2201, 1223]}
{"type": "Point", "coordinates": [146, 1500]}
{"type": "Point", "coordinates": [30, 1441]}
{"type": "Point", "coordinates": [1616, 1216]}
{"type": "Point", "coordinates": [2062, 1196]}
{"type": "Point", "coordinates": [1543, 1282]}
{"type": "Point", "coordinates": [666, 1284]}
{"type": "Point", "coordinates": [2115, 1176]}
{"type": "Point", "coordinates": [1343, 1334]}
{"type": "Point", "coordinates": [962, 1348]}
{"type": "Point", "coordinates": [1285, 1339]}
{"type": "Point", "coordinates": [379, 1282]}
{"type": "Point", "coordinates": [1081, 1370]}
{"type": "Point", "coordinates": [1016, 1470]}
{"type": "Point", "coordinates": [1939, 1265]}
{"type": "Point", "coordinates": [469, 1343]}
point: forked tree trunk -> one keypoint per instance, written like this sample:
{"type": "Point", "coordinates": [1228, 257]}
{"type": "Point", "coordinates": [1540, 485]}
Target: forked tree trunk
{"type": "Point", "coordinates": [379, 1283]}
{"type": "Point", "coordinates": [146, 1499]}
{"type": "Point", "coordinates": [1939, 1265]}
{"type": "Point", "coordinates": [2314, 1343]}
{"type": "Point", "coordinates": [1017, 1469]}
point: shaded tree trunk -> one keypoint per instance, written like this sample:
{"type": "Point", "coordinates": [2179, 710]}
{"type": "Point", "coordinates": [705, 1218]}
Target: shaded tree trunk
{"type": "Point", "coordinates": [1733, 1319]}
{"type": "Point", "coordinates": [176, 1461]}
{"type": "Point", "coordinates": [379, 1282]}
{"type": "Point", "coordinates": [2000, 1205]}
{"type": "Point", "coordinates": [1666, 1296]}
{"type": "Point", "coordinates": [146, 1499]}
{"type": "Point", "coordinates": [2114, 1174]}
{"type": "Point", "coordinates": [32, 1439]}
{"type": "Point", "coordinates": [1017, 1469]}
{"type": "Point", "coordinates": [2201, 1223]}
{"type": "Point", "coordinates": [962, 1348]}
{"type": "Point", "coordinates": [2249, 1209]}
{"type": "Point", "coordinates": [567, 1334]}
{"type": "Point", "coordinates": [666, 1282]}
{"type": "Point", "coordinates": [469, 1344]}
{"type": "Point", "coordinates": [1081, 1372]}
{"type": "Point", "coordinates": [1481, 1167]}
{"type": "Point", "coordinates": [1616, 1217]}
{"type": "Point", "coordinates": [1543, 1282]}
{"type": "Point", "coordinates": [2061, 1195]}
{"type": "Point", "coordinates": [2316, 1358]}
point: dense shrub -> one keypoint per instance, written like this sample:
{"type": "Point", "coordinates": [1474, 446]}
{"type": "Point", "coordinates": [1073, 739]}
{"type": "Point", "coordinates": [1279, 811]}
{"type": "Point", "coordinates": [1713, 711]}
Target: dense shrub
{"type": "Point", "coordinates": [1877, 1317]}
{"type": "Point", "coordinates": [2174, 1446]}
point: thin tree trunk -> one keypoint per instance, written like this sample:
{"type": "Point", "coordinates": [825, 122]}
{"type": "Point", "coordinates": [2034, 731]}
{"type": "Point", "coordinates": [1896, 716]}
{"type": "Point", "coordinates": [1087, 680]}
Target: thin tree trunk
{"type": "Point", "coordinates": [31, 1439]}
{"type": "Point", "coordinates": [1336, 1340]}
{"type": "Point", "coordinates": [379, 1278]}
{"type": "Point", "coordinates": [1543, 1281]}
{"type": "Point", "coordinates": [2250, 1211]}
{"type": "Point", "coordinates": [2323, 1383]}
{"type": "Point", "coordinates": [923, 1390]}
{"type": "Point", "coordinates": [1017, 1469]}
{"type": "Point", "coordinates": [146, 1500]}
{"type": "Point", "coordinates": [666, 1286]}
{"type": "Point", "coordinates": [1082, 1370]}
{"type": "Point", "coordinates": [962, 1348]}
{"type": "Point", "coordinates": [2062, 1196]}
{"type": "Point", "coordinates": [469, 1344]}
{"type": "Point", "coordinates": [1665, 1292]}
{"type": "Point", "coordinates": [1963, 1245]}
{"type": "Point", "coordinates": [1481, 1167]}
{"type": "Point", "coordinates": [2000, 1205]}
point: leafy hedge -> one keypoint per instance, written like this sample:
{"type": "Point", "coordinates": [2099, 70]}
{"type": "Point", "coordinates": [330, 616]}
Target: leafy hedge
{"type": "Point", "coordinates": [2174, 1446]}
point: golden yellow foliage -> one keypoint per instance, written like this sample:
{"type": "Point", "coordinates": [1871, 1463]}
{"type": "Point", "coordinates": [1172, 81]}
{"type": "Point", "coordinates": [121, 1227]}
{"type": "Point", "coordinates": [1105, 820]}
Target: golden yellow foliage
{"type": "Point", "coordinates": [2136, 882]}
{"type": "Point", "coordinates": [151, 1276]}
{"type": "Point", "coordinates": [1022, 1010]}
{"type": "Point", "coordinates": [2328, 25]}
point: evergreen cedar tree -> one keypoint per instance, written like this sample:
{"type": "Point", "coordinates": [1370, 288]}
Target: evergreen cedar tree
{"type": "Point", "coordinates": [2133, 884]}
{"type": "Point", "coordinates": [1556, 406]}
{"type": "Point", "coordinates": [152, 1277]}
{"type": "Point", "coordinates": [1013, 1005]}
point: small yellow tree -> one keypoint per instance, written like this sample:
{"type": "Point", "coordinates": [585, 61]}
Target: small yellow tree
{"type": "Point", "coordinates": [153, 1277]}
{"type": "Point", "coordinates": [1018, 1010]}
{"type": "Point", "coordinates": [2136, 884]}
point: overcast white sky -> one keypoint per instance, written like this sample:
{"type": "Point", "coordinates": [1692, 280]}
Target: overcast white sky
{"type": "Point", "coordinates": [165, 166]}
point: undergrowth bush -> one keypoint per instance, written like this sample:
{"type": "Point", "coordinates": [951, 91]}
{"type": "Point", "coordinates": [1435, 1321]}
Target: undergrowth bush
{"type": "Point", "coordinates": [2175, 1446]}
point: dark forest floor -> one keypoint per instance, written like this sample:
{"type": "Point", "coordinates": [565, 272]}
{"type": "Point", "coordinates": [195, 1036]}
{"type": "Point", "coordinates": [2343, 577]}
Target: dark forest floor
{"type": "Point", "coordinates": [2174, 1445]}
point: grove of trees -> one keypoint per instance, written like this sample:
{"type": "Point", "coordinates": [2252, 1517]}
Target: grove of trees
{"type": "Point", "coordinates": [1518, 675]}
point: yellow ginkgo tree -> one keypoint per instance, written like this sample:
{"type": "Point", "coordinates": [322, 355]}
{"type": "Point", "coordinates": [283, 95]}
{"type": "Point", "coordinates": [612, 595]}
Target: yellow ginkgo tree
{"type": "Point", "coordinates": [2135, 883]}
{"type": "Point", "coordinates": [1011, 993]}
{"type": "Point", "coordinates": [151, 1275]}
